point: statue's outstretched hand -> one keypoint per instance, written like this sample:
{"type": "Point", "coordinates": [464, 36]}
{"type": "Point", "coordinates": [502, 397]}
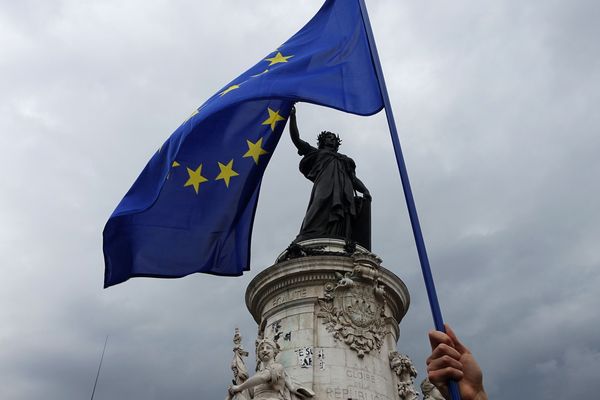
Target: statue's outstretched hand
{"type": "Point", "coordinates": [367, 195]}
{"type": "Point", "coordinates": [450, 359]}
{"type": "Point", "coordinates": [233, 389]}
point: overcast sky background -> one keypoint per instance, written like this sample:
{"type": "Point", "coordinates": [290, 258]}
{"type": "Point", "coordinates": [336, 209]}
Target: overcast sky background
{"type": "Point", "coordinates": [496, 104]}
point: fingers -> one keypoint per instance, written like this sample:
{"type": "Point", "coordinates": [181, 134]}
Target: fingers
{"type": "Point", "coordinates": [443, 350]}
{"type": "Point", "coordinates": [457, 343]}
{"type": "Point", "coordinates": [444, 362]}
{"type": "Point", "coordinates": [436, 338]}
{"type": "Point", "coordinates": [440, 377]}
{"type": "Point", "coordinates": [443, 365]}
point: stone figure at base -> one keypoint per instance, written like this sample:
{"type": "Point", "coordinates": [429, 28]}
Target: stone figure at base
{"type": "Point", "coordinates": [430, 392]}
{"type": "Point", "coordinates": [406, 373]}
{"type": "Point", "coordinates": [238, 366]}
{"type": "Point", "coordinates": [271, 382]}
{"type": "Point", "coordinates": [333, 206]}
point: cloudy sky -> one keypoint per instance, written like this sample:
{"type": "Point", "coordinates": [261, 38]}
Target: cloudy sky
{"type": "Point", "coordinates": [495, 104]}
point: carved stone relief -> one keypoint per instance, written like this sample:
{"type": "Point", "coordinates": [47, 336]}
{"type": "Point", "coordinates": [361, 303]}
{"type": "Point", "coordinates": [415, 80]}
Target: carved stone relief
{"type": "Point", "coordinates": [430, 392]}
{"type": "Point", "coordinates": [406, 373]}
{"type": "Point", "coordinates": [271, 380]}
{"type": "Point", "coordinates": [353, 307]}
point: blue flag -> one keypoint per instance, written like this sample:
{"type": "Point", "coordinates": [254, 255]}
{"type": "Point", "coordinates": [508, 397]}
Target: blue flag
{"type": "Point", "coordinates": [192, 207]}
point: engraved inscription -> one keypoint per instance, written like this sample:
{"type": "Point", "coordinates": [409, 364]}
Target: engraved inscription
{"type": "Point", "coordinates": [351, 393]}
{"type": "Point", "coordinates": [289, 296]}
{"type": "Point", "coordinates": [362, 380]}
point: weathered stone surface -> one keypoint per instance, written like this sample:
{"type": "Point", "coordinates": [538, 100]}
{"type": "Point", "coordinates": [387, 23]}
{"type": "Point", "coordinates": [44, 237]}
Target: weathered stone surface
{"type": "Point", "coordinates": [336, 318]}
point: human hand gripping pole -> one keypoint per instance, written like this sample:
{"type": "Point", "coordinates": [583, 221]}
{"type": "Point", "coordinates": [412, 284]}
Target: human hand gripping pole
{"type": "Point", "coordinates": [450, 359]}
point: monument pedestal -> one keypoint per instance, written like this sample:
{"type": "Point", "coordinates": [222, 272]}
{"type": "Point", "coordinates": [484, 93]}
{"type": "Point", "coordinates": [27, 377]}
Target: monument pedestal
{"type": "Point", "coordinates": [336, 318]}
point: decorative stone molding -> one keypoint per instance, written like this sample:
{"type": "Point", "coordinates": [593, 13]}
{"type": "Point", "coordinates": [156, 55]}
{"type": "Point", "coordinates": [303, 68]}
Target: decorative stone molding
{"type": "Point", "coordinates": [307, 272]}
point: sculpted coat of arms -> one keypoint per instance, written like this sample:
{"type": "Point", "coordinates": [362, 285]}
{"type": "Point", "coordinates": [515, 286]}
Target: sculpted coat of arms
{"type": "Point", "coordinates": [353, 310]}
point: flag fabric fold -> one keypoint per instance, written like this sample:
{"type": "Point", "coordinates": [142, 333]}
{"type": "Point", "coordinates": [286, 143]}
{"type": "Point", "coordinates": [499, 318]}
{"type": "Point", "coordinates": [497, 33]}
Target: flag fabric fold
{"type": "Point", "coordinates": [192, 207]}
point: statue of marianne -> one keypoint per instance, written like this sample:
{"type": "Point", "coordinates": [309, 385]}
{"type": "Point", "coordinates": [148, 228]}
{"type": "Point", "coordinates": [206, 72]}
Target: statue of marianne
{"type": "Point", "coordinates": [332, 204]}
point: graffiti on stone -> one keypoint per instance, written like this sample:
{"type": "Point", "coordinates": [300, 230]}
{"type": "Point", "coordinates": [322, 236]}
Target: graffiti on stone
{"type": "Point", "coordinates": [305, 357]}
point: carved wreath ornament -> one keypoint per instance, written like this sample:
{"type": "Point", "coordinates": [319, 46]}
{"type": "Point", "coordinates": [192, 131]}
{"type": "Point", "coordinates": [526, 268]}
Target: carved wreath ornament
{"type": "Point", "coordinates": [353, 311]}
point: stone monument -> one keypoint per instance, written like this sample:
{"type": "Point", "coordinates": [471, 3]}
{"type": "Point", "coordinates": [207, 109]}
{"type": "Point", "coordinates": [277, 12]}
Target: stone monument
{"type": "Point", "coordinates": [335, 318]}
{"type": "Point", "coordinates": [328, 311]}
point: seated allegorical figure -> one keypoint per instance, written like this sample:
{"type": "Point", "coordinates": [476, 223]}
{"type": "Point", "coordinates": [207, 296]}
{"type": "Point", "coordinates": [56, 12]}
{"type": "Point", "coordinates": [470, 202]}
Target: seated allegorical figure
{"type": "Point", "coordinates": [271, 382]}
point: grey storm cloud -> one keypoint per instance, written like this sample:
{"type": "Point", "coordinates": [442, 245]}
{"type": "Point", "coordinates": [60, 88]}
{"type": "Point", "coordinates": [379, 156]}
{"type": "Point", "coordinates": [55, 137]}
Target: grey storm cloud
{"type": "Point", "coordinates": [495, 105]}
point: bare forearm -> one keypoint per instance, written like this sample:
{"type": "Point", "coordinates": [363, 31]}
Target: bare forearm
{"type": "Point", "coordinates": [301, 145]}
{"type": "Point", "coordinates": [294, 132]}
{"type": "Point", "coordinates": [360, 187]}
{"type": "Point", "coordinates": [258, 379]}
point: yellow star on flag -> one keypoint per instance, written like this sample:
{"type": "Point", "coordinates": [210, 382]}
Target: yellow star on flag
{"type": "Point", "coordinates": [226, 172]}
{"type": "Point", "coordinates": [196, 111]}
{"type": "Point", "coordinates": [195, 178]}
{"type": "Point", "coordinates": [229, 89]}
{"type": "Point", "coordinates": [255, 150]}
{"type": "Point", "coordinates": [274, 118]}
{"type": "Point", "coordinates": [174, 165]}
{"type": "Point", "coordinates": [261, 73]}
{"type": "Point", "coordinates": [279, 58]}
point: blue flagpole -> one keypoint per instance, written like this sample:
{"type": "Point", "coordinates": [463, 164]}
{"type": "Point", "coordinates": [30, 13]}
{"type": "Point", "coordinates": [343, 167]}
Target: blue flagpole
{"type": "Point", "coordinates": [410, 202]}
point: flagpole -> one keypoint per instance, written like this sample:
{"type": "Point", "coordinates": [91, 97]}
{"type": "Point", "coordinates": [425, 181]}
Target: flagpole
{"type": "Point", "coordinates": [410, 202]}
{"type": "Point", "coordinates": [99, 366]}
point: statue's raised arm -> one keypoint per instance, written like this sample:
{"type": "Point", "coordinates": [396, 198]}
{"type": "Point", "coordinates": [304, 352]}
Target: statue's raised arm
{"type": "Point", "coordinates": [302, 146]}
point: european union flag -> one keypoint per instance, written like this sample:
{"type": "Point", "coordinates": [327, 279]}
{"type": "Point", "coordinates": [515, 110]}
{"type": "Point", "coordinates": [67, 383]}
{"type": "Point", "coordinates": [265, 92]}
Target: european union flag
{"type": "Point", "coordinates": [192, 207]}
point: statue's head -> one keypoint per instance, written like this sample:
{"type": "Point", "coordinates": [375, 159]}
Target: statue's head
{"type": "Point", "coordinates": [328, 140]}
{"type": "Point", "coordinates": [266, 349]}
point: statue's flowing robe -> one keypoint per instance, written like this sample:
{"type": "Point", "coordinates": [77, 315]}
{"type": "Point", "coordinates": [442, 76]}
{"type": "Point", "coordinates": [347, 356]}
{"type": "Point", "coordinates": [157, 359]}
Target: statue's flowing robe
{"type": "Point", "coordinates": [332, 202]}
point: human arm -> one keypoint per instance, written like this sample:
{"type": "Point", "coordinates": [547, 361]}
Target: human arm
{"type": "Point", "coordinates": [357, 184]}
{"type": "Point", "coordinates": [302, 146]}
{"type": "Point", "coordinates": [450, 359]}
{"type": "Point", "coordinates": [299, 391]}
{"type": "Point", "coordinates": [259, 378]}
{"type": "Point", "coordinates": [360, 187]}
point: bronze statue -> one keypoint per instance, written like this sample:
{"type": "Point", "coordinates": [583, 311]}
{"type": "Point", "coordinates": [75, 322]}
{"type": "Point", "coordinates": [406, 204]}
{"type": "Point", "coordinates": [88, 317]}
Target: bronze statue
{"type": "Point", "coordinates": [333, 208]}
